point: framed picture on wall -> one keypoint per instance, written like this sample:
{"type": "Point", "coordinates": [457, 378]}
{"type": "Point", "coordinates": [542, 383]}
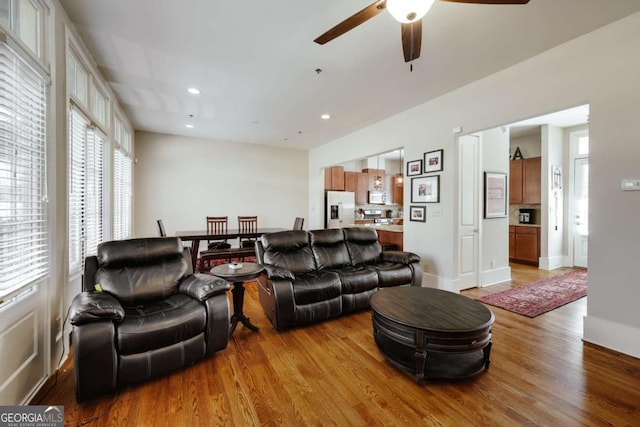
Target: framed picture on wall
{"type": "Point", "coordinates": [425, 189]}
{"type": "Point", "coordinates": [495, 195]}
{"type": "Point", "coordinates": [433, 161]}
{"type": "Point", "coordinates": [414, 167]}
{"type": "Point", "coordinates": [418, 213]}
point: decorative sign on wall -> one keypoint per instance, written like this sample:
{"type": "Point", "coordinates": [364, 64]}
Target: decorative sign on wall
{"type": "Point", "coordinates": [517, 155]}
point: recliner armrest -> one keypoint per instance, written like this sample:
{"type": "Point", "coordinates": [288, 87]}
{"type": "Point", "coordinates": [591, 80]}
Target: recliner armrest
{"type": "Point", "coordinates": [89, 307]}
{"type": "Point", "coordinates": [274, 272]}
{"type": "Point", "coordinates": [203, 286]}
{"type": "Point", "coordinates": [400, 257]}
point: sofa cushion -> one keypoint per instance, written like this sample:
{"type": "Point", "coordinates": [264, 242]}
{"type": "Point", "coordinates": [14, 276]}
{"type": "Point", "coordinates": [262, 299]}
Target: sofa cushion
{"type": "Point", "coordinates": [354, 280]}
{"type": "Point", "coordinates": [160, 324]}
{"type": "Point", "coordinates": [363, 245]}
{"type": "Point", "coordinates": [329, 248]}
{"type": "Point", "coordinates": [316, 286]}
{"type": "Point", "coordinates": [290, 250]}
{"type": "Point", "coordinates": [393, 274]}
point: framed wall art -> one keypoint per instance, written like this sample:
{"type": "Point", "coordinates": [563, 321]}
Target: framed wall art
{"type": "Point", "coordinates": [425, 189]}
{"type": "Point", "coordinates": [433, 161]}
{"type": "Point", "coordinates": [418, 213]}
{"type": "Point", "coordinates": [495, 195]}
{"type": "Point", "coordinates": [414, 168]}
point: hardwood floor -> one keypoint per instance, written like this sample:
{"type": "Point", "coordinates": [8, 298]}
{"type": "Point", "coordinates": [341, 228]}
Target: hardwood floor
{"type": "Point", "coordinates": [333, 374]}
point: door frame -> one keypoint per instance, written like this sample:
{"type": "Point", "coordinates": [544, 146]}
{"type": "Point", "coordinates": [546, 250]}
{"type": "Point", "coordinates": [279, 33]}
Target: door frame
{"type": "Point", "coordinates": [573, 155]}
{"type": "Point", "coordinates": [476, 276]}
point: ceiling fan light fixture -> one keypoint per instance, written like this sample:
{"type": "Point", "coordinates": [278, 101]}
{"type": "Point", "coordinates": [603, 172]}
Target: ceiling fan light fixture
{"type": "Point", "coordinates": [408, 11]}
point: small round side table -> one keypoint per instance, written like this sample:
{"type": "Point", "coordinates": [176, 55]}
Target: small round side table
{"type": "Point", "coordinates": [237, 277]}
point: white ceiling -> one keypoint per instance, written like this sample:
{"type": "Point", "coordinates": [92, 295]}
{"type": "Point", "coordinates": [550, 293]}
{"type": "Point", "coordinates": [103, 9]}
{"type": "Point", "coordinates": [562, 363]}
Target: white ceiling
{"type": "Point", "coordinates": [255, 60]}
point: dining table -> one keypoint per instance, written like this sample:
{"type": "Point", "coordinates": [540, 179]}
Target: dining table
{"type": "Point", "coordinates": [195, 236]}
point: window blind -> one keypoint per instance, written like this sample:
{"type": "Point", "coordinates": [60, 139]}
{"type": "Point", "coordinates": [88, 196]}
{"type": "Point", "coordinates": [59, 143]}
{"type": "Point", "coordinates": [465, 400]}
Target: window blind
{"type": "Point", "coordinates": [86, 147]}
{"type": "Point", "coordinates": [24, 254]}
{"type": "Point", "coordinates": [122, 195]}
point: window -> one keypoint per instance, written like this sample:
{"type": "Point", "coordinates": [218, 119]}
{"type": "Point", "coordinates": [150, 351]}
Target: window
{"type": "Point", "coordinates": [86, 206]}
{"type": "Point", "coordinates": [122, 183]}
{"type": "Point", "coordinates": [24, 255]}
{"type": "Point", "coordinates": [24, 18]}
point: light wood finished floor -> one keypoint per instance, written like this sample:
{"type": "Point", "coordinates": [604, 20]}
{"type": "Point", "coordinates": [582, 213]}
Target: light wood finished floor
{"type": "Point", "coordinates": [333, 374]}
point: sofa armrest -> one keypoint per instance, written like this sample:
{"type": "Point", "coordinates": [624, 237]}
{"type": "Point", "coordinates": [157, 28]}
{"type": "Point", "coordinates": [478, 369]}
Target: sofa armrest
{"type": "Point", "coordinates": [274, 272]}
{"type": "Point", "coordinates": [400, 257]}
{"type": "Point", "coordinates": [203, 286]}
{"type": "Point", "coordinates": [89, 307]}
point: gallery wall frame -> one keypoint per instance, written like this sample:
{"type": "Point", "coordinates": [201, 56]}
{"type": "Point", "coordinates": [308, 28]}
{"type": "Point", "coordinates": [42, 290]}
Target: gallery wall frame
{"type": "Point", "coordinates": [495, 195]}
{"type": "Point", "coordinates": [414, 167]}
{"type": "Point", "coordinates": [418, 213]}
{"type": "Point", "coordinates": [425, 189]}
{"type": "Point", "coordinates": [433, 161]}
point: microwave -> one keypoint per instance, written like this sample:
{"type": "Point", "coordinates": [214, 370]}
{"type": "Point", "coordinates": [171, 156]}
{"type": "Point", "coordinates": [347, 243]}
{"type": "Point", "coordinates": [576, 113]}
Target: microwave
{"type": "Point", "coordinates": [377, 197]}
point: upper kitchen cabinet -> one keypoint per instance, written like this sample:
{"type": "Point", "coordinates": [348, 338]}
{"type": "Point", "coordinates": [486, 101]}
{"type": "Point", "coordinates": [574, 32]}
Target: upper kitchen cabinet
{"type": "Point", "coordinates": [351, 181]}
{"type": "Point", "coordinates": [397, 191]}
{"type": "Point", "coordinates": [334, 178]}
{"type": "Point", "coordinates": [362, 192]}
{"type": "Point", "coordinates": [376, 178]}
{"type": "Point", "coordinates": [525, 181]}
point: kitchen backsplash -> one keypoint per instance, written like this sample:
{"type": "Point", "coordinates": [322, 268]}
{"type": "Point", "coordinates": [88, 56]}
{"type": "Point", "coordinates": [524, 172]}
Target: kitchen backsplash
{"type": "Point", "coordinates": [396, 210]}
{"type": "Point", "coordinates": [514, 211]}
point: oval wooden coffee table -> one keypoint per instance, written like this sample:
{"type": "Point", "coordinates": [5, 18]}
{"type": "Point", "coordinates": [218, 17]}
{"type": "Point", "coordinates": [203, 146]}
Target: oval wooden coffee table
{"type": "Point", "coordinates": [431, 332]}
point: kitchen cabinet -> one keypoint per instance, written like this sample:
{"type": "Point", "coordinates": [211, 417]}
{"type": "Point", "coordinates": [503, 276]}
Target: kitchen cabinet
{"type": "Point", "coordinates": [397, 191]}
{"type": "Point", "coordinates": [524, 244]}
{"type": "Point", "coordinates": [362, 191]}
{"type": "Point", "coordinates": [351, 181]}
{"type": "Point", "coordinates": [372, 174]}
{"type": "Point", "coordinates": [525, 181]}
{"type": "Point", "coordinates": [334, 178]}
{"type": "Point", "coordinates": [386, 237]}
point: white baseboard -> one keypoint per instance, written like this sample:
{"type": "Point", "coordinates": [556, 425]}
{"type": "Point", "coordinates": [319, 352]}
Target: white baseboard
{"type": "Point", "coordinates": [551, 263]}
{"type": "Point", "coordinates": [432, 281]}
{"type": "Point", "coordinates": [497, 275]}
{"type": "Point", "coordinates": [615, 336]}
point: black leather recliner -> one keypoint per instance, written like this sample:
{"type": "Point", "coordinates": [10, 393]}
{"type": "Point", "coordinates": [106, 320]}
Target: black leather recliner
{"type": "Point", "coordinates": [312, 276]}
{"type": "Point", "coordinates": [150, 315]}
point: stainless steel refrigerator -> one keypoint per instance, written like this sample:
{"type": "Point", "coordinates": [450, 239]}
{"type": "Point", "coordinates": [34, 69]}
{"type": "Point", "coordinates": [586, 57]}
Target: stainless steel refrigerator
{"type": "Point", "coordinates": [339, 209]}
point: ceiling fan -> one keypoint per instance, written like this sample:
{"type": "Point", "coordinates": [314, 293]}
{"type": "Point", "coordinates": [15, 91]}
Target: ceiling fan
{"type": "Point", "coordinates": [408, 12]}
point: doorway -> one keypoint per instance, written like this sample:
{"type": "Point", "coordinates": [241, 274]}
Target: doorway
{"type": "Point", "coordinates": [580, 197]}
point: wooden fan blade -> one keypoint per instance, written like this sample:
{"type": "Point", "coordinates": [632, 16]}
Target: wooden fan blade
{"type": "Point", "coordinates": [353, 21]}
{"type": "Point", "coordinates": [412, 40]}
{"type": "Point", "coordinates": [489, 1]}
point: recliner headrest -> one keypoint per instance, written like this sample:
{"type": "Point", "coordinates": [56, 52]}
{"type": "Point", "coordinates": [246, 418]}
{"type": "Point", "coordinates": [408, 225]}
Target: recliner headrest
{"type": "Point", "coordinates": [119, 253]}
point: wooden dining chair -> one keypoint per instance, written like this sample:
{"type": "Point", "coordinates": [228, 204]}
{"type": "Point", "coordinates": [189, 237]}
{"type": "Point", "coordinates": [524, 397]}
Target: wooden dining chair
{"type": "Point", "coordinates": [247, 224]}
{"type": "Point", "coordinates": [217, 225]}
{"type": "Point", "coordinates": [298, 223]}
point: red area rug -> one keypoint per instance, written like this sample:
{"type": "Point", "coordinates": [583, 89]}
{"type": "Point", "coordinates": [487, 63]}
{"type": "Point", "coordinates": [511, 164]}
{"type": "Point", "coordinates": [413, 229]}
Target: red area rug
{"type": "Point", "coordinates": [542, 296]}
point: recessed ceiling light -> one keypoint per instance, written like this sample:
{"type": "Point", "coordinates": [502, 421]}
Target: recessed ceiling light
{"type": "Point", "coordinates": [189, 125]}
{"type": "Point", "coordinates": [325, 116]}
{"type": "Point", "coordinates": [193, 91]}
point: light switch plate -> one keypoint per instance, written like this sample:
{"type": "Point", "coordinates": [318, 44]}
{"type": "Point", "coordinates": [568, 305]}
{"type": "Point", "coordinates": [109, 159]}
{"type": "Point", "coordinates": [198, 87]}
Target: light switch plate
{"type": "Point", "coordinates": [630, 185]}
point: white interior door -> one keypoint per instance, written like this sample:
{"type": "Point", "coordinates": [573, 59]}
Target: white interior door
{"type": "Point", "coordinates": [581, 212]}
{"type": "Point", "coordinates": [469, 208]}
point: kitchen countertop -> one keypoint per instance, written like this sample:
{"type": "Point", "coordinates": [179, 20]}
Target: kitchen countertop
{"type": "Point", "coordinates": [386, 227]}
{"type": "Point", "coordinates": [525, 225]}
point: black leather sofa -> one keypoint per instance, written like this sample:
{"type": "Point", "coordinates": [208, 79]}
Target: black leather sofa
{"type": "Point", "coordinates": [152, 316]}
{"type": "Point", "coordinates": [316, 275]}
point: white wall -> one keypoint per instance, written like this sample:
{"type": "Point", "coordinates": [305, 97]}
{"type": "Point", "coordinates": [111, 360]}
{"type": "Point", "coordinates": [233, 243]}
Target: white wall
{"type": "Point", "coordinates": [494, 262]}
{"type": "Point", "coordinates": [181, 180]}
{"type": "Point", "coordinates": [552, 248]}
{"type": "Point", "coordinates": [529, 145]}
{"type": "Point", "coordinates": [601, 68]}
